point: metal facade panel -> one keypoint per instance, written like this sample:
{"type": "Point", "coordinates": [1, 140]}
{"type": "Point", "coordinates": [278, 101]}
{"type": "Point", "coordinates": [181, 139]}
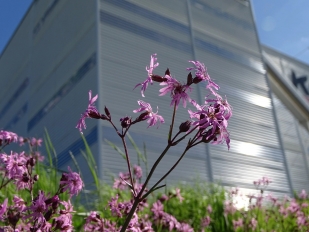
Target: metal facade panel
{"type": "Point", "coordinates": [56, 53]}
{"type": "Point", "coordinates": [292, 142]}
{"type": "Point", "coordinates": [255, 149]}
{"type": "Point", "coordinates": [130, 33]}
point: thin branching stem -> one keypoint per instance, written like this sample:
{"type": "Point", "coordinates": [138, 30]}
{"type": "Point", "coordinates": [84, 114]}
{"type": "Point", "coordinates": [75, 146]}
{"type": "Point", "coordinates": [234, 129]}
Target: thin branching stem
{"type": "Point", "coordinates": [166, 174]}
{"type": "Point", "coordinates": [128, 163]}
{"type": "Point", "coordinates": [171, 127]}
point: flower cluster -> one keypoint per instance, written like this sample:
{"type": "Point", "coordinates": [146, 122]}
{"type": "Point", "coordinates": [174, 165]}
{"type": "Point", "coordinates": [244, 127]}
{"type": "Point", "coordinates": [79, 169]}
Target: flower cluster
{"type": "Point", "coordinates": [211, 118]}
{"type": "Point", "coordinates": [45, 212]}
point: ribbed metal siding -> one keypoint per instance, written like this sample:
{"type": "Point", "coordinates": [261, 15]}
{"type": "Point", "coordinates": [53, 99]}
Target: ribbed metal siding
{"type": "Point", "coordinates": [293, 148]}
{"type": "Point", "coordinates": [225, 40]}
{"type": "Point", "coordinates": [55, 49]}
{"type": "Point", "coordinates": [130, 33]}
{"type": "Point", "coordinates": [236, 66]}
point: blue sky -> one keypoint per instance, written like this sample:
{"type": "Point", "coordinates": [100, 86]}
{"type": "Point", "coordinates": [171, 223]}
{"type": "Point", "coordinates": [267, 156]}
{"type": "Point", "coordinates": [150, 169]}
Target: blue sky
{"type": "Point", "coordinates": [282, 24]}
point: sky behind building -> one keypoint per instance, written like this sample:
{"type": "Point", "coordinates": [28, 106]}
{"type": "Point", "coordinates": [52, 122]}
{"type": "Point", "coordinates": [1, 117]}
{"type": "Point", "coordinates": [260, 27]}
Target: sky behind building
{"type": "Point", "coordinates": [281, 24]}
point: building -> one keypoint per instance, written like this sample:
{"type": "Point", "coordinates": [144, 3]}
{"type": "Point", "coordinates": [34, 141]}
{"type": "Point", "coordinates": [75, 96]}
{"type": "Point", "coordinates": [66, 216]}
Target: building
{"type": "Point", "coordinates": [62, 49]}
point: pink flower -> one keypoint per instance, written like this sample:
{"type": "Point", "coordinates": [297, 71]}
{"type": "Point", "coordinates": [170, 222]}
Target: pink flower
{"type": "Point", "coordinates": [15, 164]}
{"type": "Point", "coordinates": [202, 75]}
{"type": "Point", "coordinates": [19, 203]}
{"type": "Point", "coordinates": [303, 194]}
{"type": "Point", "coordinates": [238, 223]}
{"type": "Point", "coordinates": [206, 221]}
{"type": "Point", "coordinates": [37, 209]}
{"type": "Point", "coordinates": [149, 70]}
{"type": "Point", "coordinates": [3, 208]}
{"type": "Point", "coordinates": [177, 91]}
{"type": "Point", "coordinates": [90, 112]}
{"type": "Point", "coordinates": [7, 137]}
{"type": "Point", "coordinates": [64, 221]}
{"type": "Point", "coordinates": [72, 182]}
{"type": "Point", "coordinates": [153, 118]}
{"type": "Point", "coordinates": [36, 142]}
{"type": "Point", "coordinates": [253, 223]}
{"type": "Point", "coordinates": [138, 172]}
{"type": "Point", "coordinates": [178, 195]}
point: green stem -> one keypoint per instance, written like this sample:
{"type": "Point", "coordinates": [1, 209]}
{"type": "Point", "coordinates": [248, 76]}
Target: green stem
{"type": "Point", "coordinates": [129, 164]}
{"type": "Point", "coordinates": [171, 127]}
{"type": "Point", "coordinates": [138, 197]}
{"type": "Point", "coordinates": [166, 174]}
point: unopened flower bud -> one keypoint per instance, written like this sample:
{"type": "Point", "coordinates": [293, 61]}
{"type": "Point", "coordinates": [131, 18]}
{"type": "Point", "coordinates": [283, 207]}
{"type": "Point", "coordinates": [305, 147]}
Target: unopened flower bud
{"type": "Point", "coordinates": [36, 177]}
{"type": "Point", "coordinates": [142, 117]}
{"type": "Point", "coordinates": [104, 117]}
{"type": "Point", "coordinates": [93, 114]}
{"type": "Point", "coordinates": [158, 78]}
{"type": "Point", "coordinates": [167, 72]}
{"type": "Point", "coordinates": [125, 122]}
{"type": "Point", "coordinates": [107, 112]}
{"type": "Point", "coordinates": [13, 218]}
{"type": "Point", "coordinates": [185, 126]}
{"type": "Point", "coordinates": [163, 198]}
{"type": "Point", "coordinates": [189, 79]}
{"type": "Point", "coordinates": [197, 80]}
{"type": "Point", "coordinates": [32, 161]}
{"type": "Point", "coordinates": [48, 215]}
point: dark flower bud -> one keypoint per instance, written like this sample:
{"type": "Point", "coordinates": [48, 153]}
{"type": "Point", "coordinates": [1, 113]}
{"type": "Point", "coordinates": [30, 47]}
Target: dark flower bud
{"type": "Point", "coordinates": [32, 161]}
{"type": "Point", "coordinates": [104, 117]}
{"type": "Point", "coordinates": [94, 114]}
{"type": "Point", "coordinates": [163, 198]}
{"type": "Point", "coordinates": [125, 122]}
{"type": "Point", "coordinates": [158, 78]}
{"type": "Point", "coordinates": [107, 112]}
{"type": "Point", "coordinates": [167, 72]}
{"type": "Point", "coordinates": [185, 126]}
{"type": "Point", "coordinates": [36, 177]}
{"type": "Point", "coordinates": [48, 215]}
{"type": "Point", "coordinates": [25, 178]}
{"type": "Point", "coordinates": [142, 117]}
{"type": "Point", "coordinates": [13, 218]}
{"type": "Point", "coordinates": [189, 79]}
{"type": "Point", "coordinates": [197, 80]}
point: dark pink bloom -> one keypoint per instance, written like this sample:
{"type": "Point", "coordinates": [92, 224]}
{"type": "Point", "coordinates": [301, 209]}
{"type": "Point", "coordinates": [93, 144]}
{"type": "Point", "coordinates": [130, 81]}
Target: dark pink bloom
{"type": "Point", "coordinates": [19, 203]}
{"type": "Point", "coordinates": [121, 182]}
{"type": "Point", "coordinates": [153, 118]}
{"type": "Point", "coordinates": [7, 137]}
{"type": "Point", "coordinates": [206, 221]}
{"type": "Point", "coordinates": [202, 75]}
{"type": "Point", "coordinates": [91, 110]}
{"type": "Point", "coordinates": [253, 223]}
{"type": "Point", "coordinates": [303, 195]}
{"type": "Point", "coordinates": [184, 227]}
{"type": "Point", "coordinates": [36, 142]}
{"type": "Point", "coordinates": [3, 208]}
{"type": "Point", "coordinates": [138, 172]}
{"type": "Point", "coordinates": [149, 70]}
{"type": "Point", "coordinates": [37, 209]}
{"type": "Point", "coordinates": [177, 91]}
{"type": "Point", "coordinates": [15, 164]}
{"type": "Point", "coordinates": [72, 182]}
{"type": "Point", "coordinates": [115, 207]}
{"type": "Point", "coordinates": [64, 221]}
{"type": "Point", "coordinates": [178, 195]}
{"type": "Point", "coordinates": [238, 223]}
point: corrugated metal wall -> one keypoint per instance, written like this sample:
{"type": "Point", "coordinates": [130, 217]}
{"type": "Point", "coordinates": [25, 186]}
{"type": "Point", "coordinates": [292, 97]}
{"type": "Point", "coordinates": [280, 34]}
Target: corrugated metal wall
{"type": "Point", "coordinates": [222, 35]}
{"type": "Point", "coordinates": [54, 51]}
{"type": "Point", "coordinates": [290, 131]}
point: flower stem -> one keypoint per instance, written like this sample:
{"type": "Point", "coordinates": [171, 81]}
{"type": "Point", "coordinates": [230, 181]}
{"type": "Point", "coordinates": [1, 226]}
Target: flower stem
{"type": "Point", "coordinates": [166, 174]}
{"type": "Point", "coordinates": [171, 127]}
{"type": "Point", "coordinates": [138, 197]}
{"type": "Point", "coordinates": [129, 164]}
